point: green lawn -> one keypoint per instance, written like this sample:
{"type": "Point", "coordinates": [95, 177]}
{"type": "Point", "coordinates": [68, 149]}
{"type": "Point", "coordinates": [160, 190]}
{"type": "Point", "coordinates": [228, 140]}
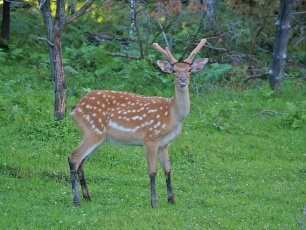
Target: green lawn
{"type": "Point", "coordinates": [231, 167]}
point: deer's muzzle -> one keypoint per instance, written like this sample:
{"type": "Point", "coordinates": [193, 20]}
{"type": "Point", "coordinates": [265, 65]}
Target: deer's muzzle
{"type": "Point", "coordinates": [183, 81]}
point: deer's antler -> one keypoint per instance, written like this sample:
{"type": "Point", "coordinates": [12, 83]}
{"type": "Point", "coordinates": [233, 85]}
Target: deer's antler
{"type": "Point", "coordinates": [194, 52]}
{"type": "Point", "coordinates": [166, 52]}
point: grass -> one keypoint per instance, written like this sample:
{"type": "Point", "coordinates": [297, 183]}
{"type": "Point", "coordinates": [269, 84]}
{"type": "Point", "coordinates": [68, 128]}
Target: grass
{"type": "Point", "coordinates": [232, 168]}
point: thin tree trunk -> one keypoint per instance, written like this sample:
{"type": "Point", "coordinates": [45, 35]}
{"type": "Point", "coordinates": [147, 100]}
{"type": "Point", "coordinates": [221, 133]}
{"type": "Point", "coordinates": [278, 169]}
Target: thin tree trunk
{"type": "Point", "coordinates": [59, 76]}
{"type": "Point", "coordinates": [211, 9]}
{"type": "Point", "coordinates": [5, 33]}
{"type": "Point", "coordinates": [71, 6]}
{"type": "Point", "coordinates": [132, 25]}
{"type": "Point", "coordinates": [277, 72]}
{"type": "Point", "coordinates": [258, 31]}
{"type": "Point", "coordinates": [54, 32]}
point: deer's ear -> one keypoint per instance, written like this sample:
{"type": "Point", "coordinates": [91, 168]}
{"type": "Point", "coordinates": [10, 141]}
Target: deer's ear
{"type": "Point", "coordinates": [165, 66]}
{"type": "Point", "coordinates": [198, 64]}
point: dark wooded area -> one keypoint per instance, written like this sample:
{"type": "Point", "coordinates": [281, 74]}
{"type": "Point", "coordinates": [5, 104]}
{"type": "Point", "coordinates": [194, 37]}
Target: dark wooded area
{"type": "Point", "coordinates": [239, 33]}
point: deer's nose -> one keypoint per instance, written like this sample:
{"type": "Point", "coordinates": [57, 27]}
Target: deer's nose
{"type": "Point", "coordinates": [183, 81]}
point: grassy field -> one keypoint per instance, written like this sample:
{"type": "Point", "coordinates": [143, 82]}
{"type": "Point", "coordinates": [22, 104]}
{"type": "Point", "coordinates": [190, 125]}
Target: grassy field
{"type": "Point", "coordinates": [239, 163]}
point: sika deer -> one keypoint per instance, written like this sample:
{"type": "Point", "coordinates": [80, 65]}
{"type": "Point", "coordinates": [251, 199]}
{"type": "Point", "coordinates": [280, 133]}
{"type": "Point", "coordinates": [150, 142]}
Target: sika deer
{"type": "Point", "coordinates": [130, 119]}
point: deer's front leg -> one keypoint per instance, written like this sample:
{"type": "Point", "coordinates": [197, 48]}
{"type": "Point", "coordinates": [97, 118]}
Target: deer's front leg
{"type": "Point", "coordinates": [151, 155]}
{"type": "Point", "coordinates": [165, 162]}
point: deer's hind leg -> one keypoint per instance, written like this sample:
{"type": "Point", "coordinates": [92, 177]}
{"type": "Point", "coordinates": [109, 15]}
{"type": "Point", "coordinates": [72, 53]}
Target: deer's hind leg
{"type": "Point", "coordinates": [82, 179]}
{"type": "Point", "coordinates": [77, 161]}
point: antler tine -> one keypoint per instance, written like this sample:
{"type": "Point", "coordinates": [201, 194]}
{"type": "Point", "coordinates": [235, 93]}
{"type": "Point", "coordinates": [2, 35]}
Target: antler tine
{"type": "Point", "coordinates": [194, 52]}
{"type": "Point", "coordinates": [166, 52]}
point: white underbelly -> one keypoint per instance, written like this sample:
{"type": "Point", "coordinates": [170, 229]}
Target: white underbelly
{"type": "Point", "coordinates": [124, 142]}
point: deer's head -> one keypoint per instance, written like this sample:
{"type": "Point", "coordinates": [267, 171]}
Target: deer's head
{"type": "Point", "coordinates": [181, 70]}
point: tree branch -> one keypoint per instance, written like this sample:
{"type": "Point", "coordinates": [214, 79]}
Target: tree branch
{"type": "Point", "coordinates": [194, 37]}
{"type": "Point", "coordinates": [79, 12]}
{"type": "Point", "coordinates": [123, 55]}
{"type": "Point", "coordinates": [259, 29]}
{"type": "Point", "coordinates": [218, 33]}
{"type": "Point", "coordinates": [263, 75]}
{"type": "Point", "coordinates": [301, 222]}
{"type": "Point", "coordinates": [41, 38]}
{"type": "Point", "coordinates": [272, 113]}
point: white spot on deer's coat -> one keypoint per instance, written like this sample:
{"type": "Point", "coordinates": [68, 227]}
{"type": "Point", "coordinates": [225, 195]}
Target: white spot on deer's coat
{"type": "Point", "coordinates": [157, 124]}
{"type": "Point", "coordinates": [152, 110]}
{"type": "Point", "coordinates": [98, 131]}
{"type": "Point", "coordinates": [136, 118]}
{"type": "Point", "coordinates": [122, 128]}
{"type": "Point", "coordinates": [80, 110]}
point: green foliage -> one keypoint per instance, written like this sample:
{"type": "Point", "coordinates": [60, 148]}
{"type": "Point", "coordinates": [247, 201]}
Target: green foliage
{"type": "Point", "coordinates": [2, 55]}
{"type": "Point", "coordinates": [296, 117]}
{"type": "Point", "coordinates": [211, 76]}
{"type": "Point", "coordinates": [217, 72]}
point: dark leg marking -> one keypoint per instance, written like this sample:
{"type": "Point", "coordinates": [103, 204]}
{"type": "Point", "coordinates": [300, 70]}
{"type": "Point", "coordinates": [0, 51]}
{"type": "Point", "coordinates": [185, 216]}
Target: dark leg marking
{"type": "Point", "coordinates": [153, 192]}
{"type": "Point", "coordinates": [169, 188]}
{"type": "Point", "coordinates": [73, 175]}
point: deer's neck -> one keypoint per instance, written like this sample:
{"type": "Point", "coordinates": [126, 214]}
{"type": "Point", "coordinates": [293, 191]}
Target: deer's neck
{"type": "Point", "coordinates": [181, 104]}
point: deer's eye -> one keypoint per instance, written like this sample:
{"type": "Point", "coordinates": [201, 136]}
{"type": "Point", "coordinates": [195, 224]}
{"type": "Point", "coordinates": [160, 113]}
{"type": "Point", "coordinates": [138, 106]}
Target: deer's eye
{"type": "Point", "coordinates": [173, 71]}
{"type": "Point", "coordinates": [189, 70]}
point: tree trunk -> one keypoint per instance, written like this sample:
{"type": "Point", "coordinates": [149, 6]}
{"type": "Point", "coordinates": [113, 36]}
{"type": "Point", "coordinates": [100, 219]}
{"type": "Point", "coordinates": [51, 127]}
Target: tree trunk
{"type": "Point", "coordinates": [5, 33]}
{"type": "Point", "coordinates": [211, 4]}
{"type": "Point", "coordinates": [54, 32]}
{"type": "Point", "coordinates": [277, 72]}
{"type": "Point", "coordinates": [132, 25]}
{"type": "Point", "coordinates": [55, 53]}
{"type": "Point", "coordinates": [71, 6]}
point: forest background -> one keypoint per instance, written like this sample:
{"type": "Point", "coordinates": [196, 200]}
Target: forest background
{"type": "Point", "coordinates": [239, 162]}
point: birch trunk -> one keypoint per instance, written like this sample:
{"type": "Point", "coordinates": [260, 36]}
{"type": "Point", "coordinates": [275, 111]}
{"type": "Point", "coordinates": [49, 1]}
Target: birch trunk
{"type": "Point", "coordinates": [277, 72]}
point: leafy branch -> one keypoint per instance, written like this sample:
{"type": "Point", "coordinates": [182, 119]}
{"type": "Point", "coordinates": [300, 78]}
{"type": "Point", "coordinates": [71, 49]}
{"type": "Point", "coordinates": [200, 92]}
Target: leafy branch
{"type": "Point", "coordinates": [301, 222]}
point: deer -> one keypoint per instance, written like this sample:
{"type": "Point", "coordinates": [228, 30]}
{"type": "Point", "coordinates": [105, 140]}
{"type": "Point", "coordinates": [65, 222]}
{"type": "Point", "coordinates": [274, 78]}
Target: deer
{"type": "Point", "coordinates": [126, 118]}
